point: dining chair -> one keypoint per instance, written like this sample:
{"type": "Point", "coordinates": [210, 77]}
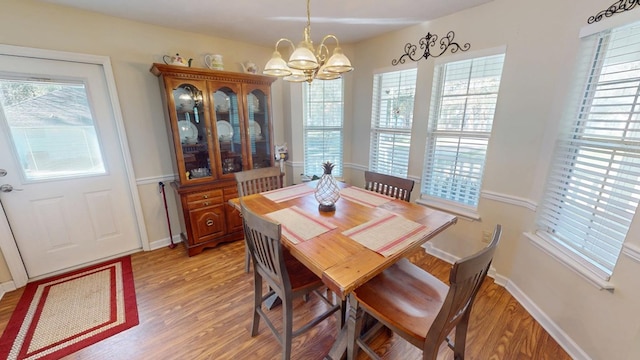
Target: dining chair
{"type": "Point", "coordinates": [285, 276]}
{"type": "Point", "coordinates": [256, 181]}
{"type": "Point", "coordinates": [419, 307]}
{"type": "Point", "coordinates": [389, 185]}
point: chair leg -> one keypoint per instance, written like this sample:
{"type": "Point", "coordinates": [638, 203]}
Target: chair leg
{"type": "Point", "coordinates": [461, 336]}
{"type": "Point", "coordinates": [287, 330]}
{"type": "Point", "coordinates": [257, 303]}
{"type": "Point", "coordinates": [354, 324]}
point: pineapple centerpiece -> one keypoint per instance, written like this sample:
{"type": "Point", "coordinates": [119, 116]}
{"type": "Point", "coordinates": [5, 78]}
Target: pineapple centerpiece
{"type": "Point", "coordinates": [327, 191]}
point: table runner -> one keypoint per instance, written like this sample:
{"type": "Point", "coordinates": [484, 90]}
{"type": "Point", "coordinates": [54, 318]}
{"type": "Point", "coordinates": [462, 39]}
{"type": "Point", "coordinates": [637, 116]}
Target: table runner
{"type": "Point", "coordinates": [298, 226]}
{"type": "Point", "coordinates": [288, 193]}
{"type": "Point", "coordinates": [388, 234]}
{"type": "Point", "coordinates": [364, 197]}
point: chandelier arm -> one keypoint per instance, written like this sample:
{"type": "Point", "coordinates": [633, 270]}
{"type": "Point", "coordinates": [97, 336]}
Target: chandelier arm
{"type": "Point", "coordinates": [293, 47]}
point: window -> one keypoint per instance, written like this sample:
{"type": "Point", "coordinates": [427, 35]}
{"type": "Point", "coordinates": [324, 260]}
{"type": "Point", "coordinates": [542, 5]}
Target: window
{"type": "Point", "coordinates": [462, 108]}
{"type": "Point", "coordinates": [51, 141]}
{"type": "Point", "coordinates": [391, 120]}
{"type": "Point", "coordinates": [323, 119]}
{"type": "Point", "coordinates": [593, 186]}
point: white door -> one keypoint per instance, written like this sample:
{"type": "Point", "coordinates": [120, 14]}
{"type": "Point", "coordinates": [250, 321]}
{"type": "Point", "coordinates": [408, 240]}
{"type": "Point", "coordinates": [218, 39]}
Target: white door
{"type": "Point", "coordinates": [65, 193]}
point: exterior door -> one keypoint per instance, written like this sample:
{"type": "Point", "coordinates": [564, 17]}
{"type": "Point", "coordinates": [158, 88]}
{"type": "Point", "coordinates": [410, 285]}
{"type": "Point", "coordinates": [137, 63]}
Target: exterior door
{"type": "Point", "coordinates": [65, 188]}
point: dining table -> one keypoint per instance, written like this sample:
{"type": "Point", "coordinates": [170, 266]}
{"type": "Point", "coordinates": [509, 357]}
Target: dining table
{"type": "Point", "coordinates": [365, 234]}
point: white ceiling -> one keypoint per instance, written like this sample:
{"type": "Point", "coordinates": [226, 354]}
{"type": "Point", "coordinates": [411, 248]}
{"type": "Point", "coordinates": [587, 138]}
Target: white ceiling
{"type": "Point", "coordinates": [263, 22]}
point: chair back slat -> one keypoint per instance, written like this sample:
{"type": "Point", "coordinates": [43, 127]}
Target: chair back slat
{"type": "Point", "coordinates": [258, 180]}
{"type": "Point", "coordinates": [393, 186]}
{"type": "Point", "coordinates": [263, 241]}
{"type": "Point", "coordinates": [465, 279]}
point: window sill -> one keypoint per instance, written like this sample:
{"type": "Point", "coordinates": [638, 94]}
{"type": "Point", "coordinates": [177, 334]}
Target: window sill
{"type": "Point", "coordinates": [465, 212]}
{"type": "Point", "coordinates": [585, 270]}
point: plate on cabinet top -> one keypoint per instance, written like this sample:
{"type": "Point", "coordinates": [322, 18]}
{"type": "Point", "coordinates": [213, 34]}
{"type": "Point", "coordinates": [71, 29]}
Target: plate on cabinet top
{"type": "Point", "coordinates": [255, 131]}
{"type": "Point", "coordinates": [188, 132]}
{"type": "Point", "coordinates": [225, 130]}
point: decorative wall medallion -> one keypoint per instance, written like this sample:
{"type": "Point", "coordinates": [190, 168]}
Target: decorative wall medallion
{"type": "Point", "coordinates": [428, 43]}
{"type": "Point", "coordinates": [617, 7]}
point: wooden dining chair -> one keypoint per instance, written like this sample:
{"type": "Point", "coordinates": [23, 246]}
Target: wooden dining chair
{"type": "Point", "coordinates": [285, 275]}
{"type": "Point", "coordinates": [419, 307]}
{"type": "Point", "coordinates": [393, 186]}
{"type": "Point", "coordinates": [256, 181]}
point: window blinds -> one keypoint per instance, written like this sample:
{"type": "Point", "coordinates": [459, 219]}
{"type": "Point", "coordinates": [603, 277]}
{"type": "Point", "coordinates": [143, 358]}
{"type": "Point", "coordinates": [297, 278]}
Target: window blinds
{"type": "Point", "coordinates": [391, 121]}
{"type": "Point", "coordinates": [463, 104]}
{"type": "Point", "coordinates": [323, 122]}
{"type": "Point", "coordinates": [593, 188]}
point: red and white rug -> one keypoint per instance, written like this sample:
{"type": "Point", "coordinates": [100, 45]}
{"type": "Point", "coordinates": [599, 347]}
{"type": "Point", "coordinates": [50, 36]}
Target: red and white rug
{"type": "Point", "coordinates": [60, 315]}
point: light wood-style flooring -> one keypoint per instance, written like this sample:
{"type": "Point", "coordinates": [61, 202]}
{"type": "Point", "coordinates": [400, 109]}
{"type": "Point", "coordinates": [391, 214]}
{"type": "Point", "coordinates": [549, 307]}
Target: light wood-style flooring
{"type": "Point", "coordinates": [200, 308]}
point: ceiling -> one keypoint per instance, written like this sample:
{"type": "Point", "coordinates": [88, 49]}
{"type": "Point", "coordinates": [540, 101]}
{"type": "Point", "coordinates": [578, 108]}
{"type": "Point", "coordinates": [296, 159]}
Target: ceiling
{"type": "Point", "coordinates": [263, 22]}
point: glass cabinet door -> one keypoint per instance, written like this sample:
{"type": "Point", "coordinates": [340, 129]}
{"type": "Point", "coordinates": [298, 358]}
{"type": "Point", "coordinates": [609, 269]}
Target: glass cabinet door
{"type": "Point", "coordinates": [228, 129]}
{"type": "Point", "coordinates": [192, 130]}
{"type": "Point", "coordinates": [259, 130]}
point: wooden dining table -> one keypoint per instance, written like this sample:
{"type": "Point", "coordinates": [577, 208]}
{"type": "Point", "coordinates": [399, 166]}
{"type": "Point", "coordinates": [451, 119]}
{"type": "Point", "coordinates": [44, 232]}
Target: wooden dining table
{"type": "Point", "coordinates": [342, 255]}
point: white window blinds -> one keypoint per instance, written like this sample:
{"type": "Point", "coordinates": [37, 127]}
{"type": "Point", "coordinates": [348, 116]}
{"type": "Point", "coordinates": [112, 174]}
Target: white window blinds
{"type": "Point", "coordinates": [593, 187]}
{"type": "Point", "coordinates": [462, 107]}
{"type": "Point", "coordinates": [391, 120]}
{"type": "Point", "coordinates": [323, 119]}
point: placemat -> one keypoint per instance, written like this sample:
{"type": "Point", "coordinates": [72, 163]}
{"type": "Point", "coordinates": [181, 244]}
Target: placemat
{"type": "Point", "coordinates": [364, 197]}
{"type": "Point", "coordinates": [298, 226]}
{"type": "Point", "coordinates": [288, 193]}
{"type": "Point", "coordinates": [388, 234]}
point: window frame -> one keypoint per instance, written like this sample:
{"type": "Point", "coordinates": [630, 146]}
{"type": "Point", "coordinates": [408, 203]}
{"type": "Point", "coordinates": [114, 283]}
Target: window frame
{"type": "Point", "coordinates": [377, 130]}
{"type": "Point", "coordinates": [585, 93]}
{"type": "Point", "coordinates": [464, 210]}
{"type": "Point", "coordinates": [308, 169]}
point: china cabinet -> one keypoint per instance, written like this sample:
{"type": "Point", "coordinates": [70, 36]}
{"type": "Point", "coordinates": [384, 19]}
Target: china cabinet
{"type": "Point", "coordinates": [219, 123]}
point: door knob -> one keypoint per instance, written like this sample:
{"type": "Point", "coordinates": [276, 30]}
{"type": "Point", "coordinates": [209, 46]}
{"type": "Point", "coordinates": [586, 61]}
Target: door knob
{"type": "Point", "coordinates": [8, 188]}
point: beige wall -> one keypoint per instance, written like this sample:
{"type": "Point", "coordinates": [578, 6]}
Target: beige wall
{"type": "Point", "coordinates": [541, 40]}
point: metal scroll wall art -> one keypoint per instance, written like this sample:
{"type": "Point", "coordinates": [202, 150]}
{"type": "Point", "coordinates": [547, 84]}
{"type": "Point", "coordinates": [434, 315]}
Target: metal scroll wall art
{"type": "Point", "coordinates": [617, 7]}
{"type": "Point", "coordinates": [428, 44]}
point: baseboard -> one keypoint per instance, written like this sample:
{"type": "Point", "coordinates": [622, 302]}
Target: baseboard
{"type": "Point", "coordinates": [155, 245]}
{"type": "Point", "coordinates": [545, 321]}
{"type": "Point", "coordinates": [6, 287]}
{"type": "Point", "coordinates": [556, 333]}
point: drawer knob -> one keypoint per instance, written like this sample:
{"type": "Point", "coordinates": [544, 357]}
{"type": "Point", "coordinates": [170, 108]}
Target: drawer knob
{"type": "Point", "coordinates": [209, 222]}
{"type": "Point", "coordinates": [205, 196]}
{"type": "Point", "coordinates": [206, 203]}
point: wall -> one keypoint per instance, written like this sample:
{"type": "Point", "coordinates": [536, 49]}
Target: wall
{"type": "Point", "coordinates": [542, 40]}
{"type": "Point", "coordinates": [132, 48]}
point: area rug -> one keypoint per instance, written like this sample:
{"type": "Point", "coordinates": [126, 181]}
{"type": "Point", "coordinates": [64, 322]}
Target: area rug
{"type": "Point", "coordinates": [63, 314]}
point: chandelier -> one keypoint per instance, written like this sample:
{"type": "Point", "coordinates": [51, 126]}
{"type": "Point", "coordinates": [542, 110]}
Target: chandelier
{"type": "Point", "coordinates": [307, 63]}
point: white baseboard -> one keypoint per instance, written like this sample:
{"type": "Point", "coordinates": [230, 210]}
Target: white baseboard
{"type": "Point", "coordinates": [6, 287]}
{"type": "Point", "coordinates": [545, 321]}
{"type": "Point", "coordinates": [155, 245]}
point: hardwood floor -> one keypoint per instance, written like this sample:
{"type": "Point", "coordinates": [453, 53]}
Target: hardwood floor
{"type": "Point", "coordinates": [200, 308]}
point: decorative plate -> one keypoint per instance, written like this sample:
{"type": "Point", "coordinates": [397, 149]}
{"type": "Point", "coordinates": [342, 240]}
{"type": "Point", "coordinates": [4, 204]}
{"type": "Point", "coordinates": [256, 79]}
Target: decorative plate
{"type": "Point", "coordinates": [188, 132]}
{"type": "Point", "coordinates": [183, 99]}
{"type": "Point", "coordinates": [255, 131]}
{"type": "Point", "coordinates": [225, 130]}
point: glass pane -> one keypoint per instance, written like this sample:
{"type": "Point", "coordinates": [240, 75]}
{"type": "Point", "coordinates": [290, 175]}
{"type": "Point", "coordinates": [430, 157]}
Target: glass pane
{"type": "Point", "coordinates": [259, 129]}
{"type": "Point", "coordinates": [228, 130]}
{"type": "Point", "coordinates": [193, 131]}
{"type": "Point", "coordinates": [52, 129]}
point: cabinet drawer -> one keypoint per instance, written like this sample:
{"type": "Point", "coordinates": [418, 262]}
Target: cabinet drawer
{"type": "Point", "coordinates": [215, 196]}
{"type": "Point", "coordinates": [193, 205]}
